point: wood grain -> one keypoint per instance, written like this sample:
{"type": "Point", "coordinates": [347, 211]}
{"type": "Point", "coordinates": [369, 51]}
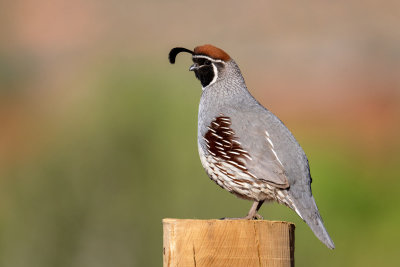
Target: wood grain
{"type": "Point", "coordinates": [228, 243]}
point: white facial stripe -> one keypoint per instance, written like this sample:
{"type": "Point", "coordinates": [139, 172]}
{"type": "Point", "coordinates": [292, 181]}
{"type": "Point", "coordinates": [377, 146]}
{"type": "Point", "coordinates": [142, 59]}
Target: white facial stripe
{"type": "Point", "coordinates": [215, 73]}
{"type": "Point", "coordinates": [209, 58]}
{"type": "Point", "coordinates": [215, 76]}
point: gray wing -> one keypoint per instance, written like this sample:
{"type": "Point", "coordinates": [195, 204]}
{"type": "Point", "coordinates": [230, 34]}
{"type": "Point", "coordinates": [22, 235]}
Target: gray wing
{"type": "Point", "coordinates": [276, 157]}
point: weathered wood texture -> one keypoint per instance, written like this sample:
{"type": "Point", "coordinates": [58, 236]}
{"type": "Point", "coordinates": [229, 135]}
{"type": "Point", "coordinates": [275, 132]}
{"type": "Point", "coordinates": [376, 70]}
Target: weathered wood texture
{"type": "Point", "coordinates": [228, 243]}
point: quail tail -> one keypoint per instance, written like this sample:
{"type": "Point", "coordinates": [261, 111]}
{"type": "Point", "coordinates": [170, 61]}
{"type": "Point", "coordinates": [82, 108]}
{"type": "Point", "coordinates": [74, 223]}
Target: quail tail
{"type": "Point", "coordinates": [310, 214]}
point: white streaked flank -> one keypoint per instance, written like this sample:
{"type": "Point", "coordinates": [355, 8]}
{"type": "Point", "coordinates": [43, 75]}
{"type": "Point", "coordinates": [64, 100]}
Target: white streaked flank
{"type": "Point", "coordinates": [225, 119]}
{"type": "Point", "coordinates": [237, 142]}
{"type": "Point", "coordinates": [270, 142]}
{"type": "Point", "coordinates": [219, 137]}
{"type": "Point", "coordinates": [272, 148]}
{"type": "Point", "coordinates": [273, 151]}
{"type": "Point", "coordinates": [247, 156]}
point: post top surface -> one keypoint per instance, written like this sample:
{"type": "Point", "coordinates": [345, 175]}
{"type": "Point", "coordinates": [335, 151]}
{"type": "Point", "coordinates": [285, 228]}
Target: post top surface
{"type": "Point", "coordinates": [217, 221]}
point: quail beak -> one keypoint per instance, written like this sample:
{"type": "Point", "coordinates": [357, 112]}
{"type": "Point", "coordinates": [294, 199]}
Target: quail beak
{"type": "Point", "coordinates": [194, 67]}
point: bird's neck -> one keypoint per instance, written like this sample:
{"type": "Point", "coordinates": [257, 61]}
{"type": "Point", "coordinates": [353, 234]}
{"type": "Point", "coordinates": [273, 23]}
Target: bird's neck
{"type": "Point", "coordinates": [228, 88]}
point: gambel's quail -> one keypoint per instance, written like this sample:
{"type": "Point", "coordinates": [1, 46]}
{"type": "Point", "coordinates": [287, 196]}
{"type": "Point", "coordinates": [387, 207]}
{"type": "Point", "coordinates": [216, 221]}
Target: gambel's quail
{"type": "Point", "coordinates": [245, 148]}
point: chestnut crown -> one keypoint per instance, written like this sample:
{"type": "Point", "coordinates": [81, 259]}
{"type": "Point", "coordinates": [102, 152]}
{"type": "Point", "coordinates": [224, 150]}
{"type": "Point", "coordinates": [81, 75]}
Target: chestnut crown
{"type": "Point", "coordinates": [208, 61]}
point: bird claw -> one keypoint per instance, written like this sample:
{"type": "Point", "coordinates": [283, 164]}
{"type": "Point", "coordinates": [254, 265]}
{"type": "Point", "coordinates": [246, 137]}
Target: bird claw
{"type": "Point", "coordinates": [254, 217]}
{"type": "Point", "coordinates": [258, 217]}
{"type": "Point", "coordinates": [248, 217]}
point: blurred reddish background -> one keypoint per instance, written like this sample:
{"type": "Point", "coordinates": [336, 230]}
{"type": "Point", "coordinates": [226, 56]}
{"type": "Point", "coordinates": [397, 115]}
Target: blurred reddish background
{"type": "Point", "coordinates": [329, 70]}
{"type": "Point", "coordinates": [333, 66]}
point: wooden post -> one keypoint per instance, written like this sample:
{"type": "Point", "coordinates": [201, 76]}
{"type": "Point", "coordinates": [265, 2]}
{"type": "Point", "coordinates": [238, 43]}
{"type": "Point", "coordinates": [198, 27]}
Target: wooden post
{"type": "Point", "coordinates": [228, 243]}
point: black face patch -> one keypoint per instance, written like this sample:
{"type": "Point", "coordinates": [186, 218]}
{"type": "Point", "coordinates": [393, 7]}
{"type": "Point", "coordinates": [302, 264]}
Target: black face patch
{"type": "Point", "coordinates": [204, 72]}
{"type": "Point", "coordinates": [205, 75]}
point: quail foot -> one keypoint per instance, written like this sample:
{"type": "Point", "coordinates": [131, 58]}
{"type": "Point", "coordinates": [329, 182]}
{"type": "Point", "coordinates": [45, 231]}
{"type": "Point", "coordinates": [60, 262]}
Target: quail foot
{"type": "Point", "coordinates": [243, 147]}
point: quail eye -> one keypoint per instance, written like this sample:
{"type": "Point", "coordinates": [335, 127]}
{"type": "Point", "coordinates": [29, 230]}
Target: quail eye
{"type": "Point", "coordinates": [208, 62]}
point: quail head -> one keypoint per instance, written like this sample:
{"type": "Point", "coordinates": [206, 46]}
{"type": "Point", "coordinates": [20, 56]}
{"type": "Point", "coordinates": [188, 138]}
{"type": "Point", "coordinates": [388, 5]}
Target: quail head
{"type": "Point", "coordinates": [243, 147]}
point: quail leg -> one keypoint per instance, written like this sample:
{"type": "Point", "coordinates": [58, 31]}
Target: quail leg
{"type": "Point", "coordinates": [253, 213]}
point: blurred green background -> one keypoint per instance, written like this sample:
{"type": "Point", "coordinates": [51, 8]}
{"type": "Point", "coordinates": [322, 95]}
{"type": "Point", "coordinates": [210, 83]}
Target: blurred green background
{"type": "Point", "coordinates": [98, 131]}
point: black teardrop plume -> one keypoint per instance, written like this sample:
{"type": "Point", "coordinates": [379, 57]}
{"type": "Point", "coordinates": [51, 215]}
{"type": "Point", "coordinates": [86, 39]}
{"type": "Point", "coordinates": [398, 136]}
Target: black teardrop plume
{"type": "Point", "coordinates": [175, 51]}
